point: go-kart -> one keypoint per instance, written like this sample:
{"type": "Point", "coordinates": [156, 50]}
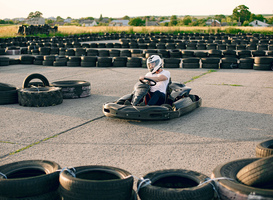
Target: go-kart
{"type": "Point", "coordinates": [178, 102]}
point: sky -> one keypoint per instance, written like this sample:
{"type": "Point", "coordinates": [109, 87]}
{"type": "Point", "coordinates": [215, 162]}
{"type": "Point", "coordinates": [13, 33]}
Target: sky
{"type": "Point", "coordinates": [120, 8]}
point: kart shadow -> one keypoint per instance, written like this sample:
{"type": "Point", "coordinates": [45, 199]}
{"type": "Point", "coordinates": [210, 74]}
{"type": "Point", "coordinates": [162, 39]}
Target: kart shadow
{"type": "Point", "coordinates": [217, 123]}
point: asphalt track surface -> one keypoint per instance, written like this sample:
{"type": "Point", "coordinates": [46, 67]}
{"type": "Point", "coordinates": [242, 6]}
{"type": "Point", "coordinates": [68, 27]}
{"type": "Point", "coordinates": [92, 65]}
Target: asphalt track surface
{"type": "Point", "coordinates": [236, 114]}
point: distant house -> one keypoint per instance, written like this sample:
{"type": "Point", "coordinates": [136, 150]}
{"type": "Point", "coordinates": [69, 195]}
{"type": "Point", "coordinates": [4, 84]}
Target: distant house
{"type": "Point", "coordinates": [213, 22]}
{"type": "Point", "coordinates": [165, 21]}
{"type": "Point", "coordinates": [151, 23]}
{"type": "Point", "coordinates": [119, 23]}
{"type": "Point", "coordinates": [258, 23]}
{"type": "Point", "coordinates": [68, 20]}
{"type": "Point", "coordinates": [52, 18]}
{"type": "Point", "coordinates": [35, 21]}
{"type": "Point", "coordinates": [89, 23]}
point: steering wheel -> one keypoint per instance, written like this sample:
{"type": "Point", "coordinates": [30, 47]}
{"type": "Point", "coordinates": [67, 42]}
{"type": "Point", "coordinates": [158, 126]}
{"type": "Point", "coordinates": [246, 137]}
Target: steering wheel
{"type": "Point", "coordinates": [149, 81]}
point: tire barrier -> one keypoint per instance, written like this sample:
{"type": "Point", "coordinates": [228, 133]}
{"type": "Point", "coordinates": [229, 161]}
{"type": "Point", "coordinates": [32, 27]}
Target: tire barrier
{"type": "Point", "coordinates": [258, 173]}
{"type": "Point", "coordinates": [43, 94]}
{"type": "Point", "coordinates": [243, 179]}
{"type": "Point", "coordinates": [264, 149]}
{"type": "Point", "coordinates": [39, 96]}
{"type": "Point", "coordinates": [30, 179]}
{"type": "Point", "coordinates": [73, 89]}
{"type": "Point", "coordinates": [167, 45]}
{"type": "Point", "coordinates": [8, 94]}
{"type": "Point", "coordinates": [39, 29]}
{"type": "Point", "coordinates": [230, 187]}
{"type": "Point", "coordinates": [175, 184]}
{"type": "Point", "coordinates": [96, 182]}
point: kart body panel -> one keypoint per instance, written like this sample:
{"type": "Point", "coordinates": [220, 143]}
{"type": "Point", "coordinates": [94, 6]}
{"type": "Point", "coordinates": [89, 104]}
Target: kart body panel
{"type": "Point", "coordinates": [178, 102]}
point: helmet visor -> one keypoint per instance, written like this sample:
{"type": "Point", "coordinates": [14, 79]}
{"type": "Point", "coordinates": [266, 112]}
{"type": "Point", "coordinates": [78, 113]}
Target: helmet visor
{"type": "Point", "coordinates": [153, 64]}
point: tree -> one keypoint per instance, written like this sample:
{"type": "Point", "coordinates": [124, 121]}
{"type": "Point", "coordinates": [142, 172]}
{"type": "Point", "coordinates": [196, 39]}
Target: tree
{"type": "Point", "coordinates": [59, 19]}
{"type": "Point", "coordinates": [256, 17]}
{"type": "Point", "coordinates": [187, 20]}
{"type": "Point", "coordinates": [219, 17]}
{"type": "Point", "coordinates": [34, 15]}
{"type": "Point", "coordinates": [241, 13]}
{"type": "Point", "coordinates": [126, 17]}
{"type": "Point", "coordinates": [136, 22]}
{"type": "Point", "coordinates": [173, 21]}
{"type": "Point", "coordinates": [101, 18]}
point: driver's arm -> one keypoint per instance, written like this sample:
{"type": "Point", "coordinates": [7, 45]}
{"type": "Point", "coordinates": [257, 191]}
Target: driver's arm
{"type": "Point", "coordinates": [158, 78]}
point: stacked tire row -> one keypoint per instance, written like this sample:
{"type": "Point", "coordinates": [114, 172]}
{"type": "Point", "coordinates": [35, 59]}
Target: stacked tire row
{"type": "Point", "coordinates": [43, 93]}
{"type": "Point", "coordinates": [242, 179]}
{"type": "Point", "coordinates": [189, 41]}
{"type": "Point", "coordinates": [250, 178]}
{"type": "Point", "coordinates": [257, 63]}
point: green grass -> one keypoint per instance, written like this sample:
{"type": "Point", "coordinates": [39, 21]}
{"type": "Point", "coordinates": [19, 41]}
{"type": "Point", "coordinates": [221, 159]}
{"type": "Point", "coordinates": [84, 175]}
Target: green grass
{"type": "Point", "coordinates": [196, 77]}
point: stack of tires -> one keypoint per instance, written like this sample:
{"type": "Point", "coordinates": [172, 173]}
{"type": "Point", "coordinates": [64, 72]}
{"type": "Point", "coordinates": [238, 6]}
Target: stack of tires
{"type": "Point", "coordinates": [171, 62]}
{"type": "Point", "coordinates": [60, 61]}
{"type": "Point", "coordinates": [30, 179]}
{"type": "Point", "coordinates": [229, 63]}
{"type": "Point", "coordinates": [250, 178]}
{"type": "Point", "coordinates": [88, 61]}
{"type": "Point", "coordinates": [133, 62]}
{"type": "Point", "coordinates": [26, 59]}
{"type": "Point", "coordinates": [48, 60]}
{"type": "Point", "coordinates": [210, 63]}
{"type": "Point", "coordinates": [190, 62]}
{"type": "Point", "coordinates": [263, 63]}
{"type": "Point", "coordinates": [246, 63]}
{"type": "Point", "coordinates": [120, 61]}
{"type": "Point", "coordinates": [39, 96]}
{"type": "Point", "coordinates": [73, 89]}
{"type": "Point", "coordinates": [74, 61]}
{"type": "Point", "coordinates": [104, 62]}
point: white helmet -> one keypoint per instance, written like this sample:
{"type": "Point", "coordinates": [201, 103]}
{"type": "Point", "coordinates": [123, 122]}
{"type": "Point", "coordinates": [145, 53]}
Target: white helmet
{"type": "Point", "coordinates": [154, 63]}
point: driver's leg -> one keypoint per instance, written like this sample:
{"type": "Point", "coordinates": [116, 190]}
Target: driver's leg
{"type": "Point", "coordinates": [158, 98]}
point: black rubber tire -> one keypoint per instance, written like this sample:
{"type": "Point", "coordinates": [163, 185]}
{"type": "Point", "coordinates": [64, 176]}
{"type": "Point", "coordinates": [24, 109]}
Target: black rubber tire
{"type": "Point", "coordinates": [176, 184]}
{"type": "Point", "coordinates": [258, 173]}
{"type": "Point", "coordinates": [4, 61]}
{"type": "Point", "coordinates": [263, 60]}
{"type": "Point", "coordinates": [262, 66]}
{"type": "Point", "coordinates": [246, 60]}
{"type": "Point", "coordinates": [210, 60]}
{"type": "Point", "coordinates": [14, 61]}
{"type": "Point", "coordinates": [40, 96]}
{"type": "Point", "coordinates": [48, 62]}
{"type": "Point", "coordinates": [245, 66]}
{"type": "Point", "coordinates": [88, 64]}
{"type": "Point", "coordinates": [52, 195]}
{"type": "Point", "coordinates": [264, 149]}
{"type": "Point", "coordinates": [29, 178]}
{"type": "Point", "coordinates": [35, 76]}
{"type": "Point", "coordinates": [7, 87]}
{"type": "Point", "coordinates": [27, 59]}
{"type": "Point", "coordinates": [73, 89]}
{"type": "Point", "coordinates": [233, 189]}
{"type": "Point", "coordinates": [190, 60]}
{"type": "Point", "coordinates": [210, 66]}
{"type": "Point", "coordinates": [171, 65]}
{"type": "Point", "coordinates": [8, 97]}
{"type": "Point", "coordinates": [89, 59]}
{"type": "Point", "coordinates": [73, 64]}
{"type": "Point", "coordinates": [59, 63]}
{"type": "Point", "coordinates": [38, 62]}
{"type": "Point", "coordinates": [97, 182]}
{"type": "Point", "coordinates": [190, 65]}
